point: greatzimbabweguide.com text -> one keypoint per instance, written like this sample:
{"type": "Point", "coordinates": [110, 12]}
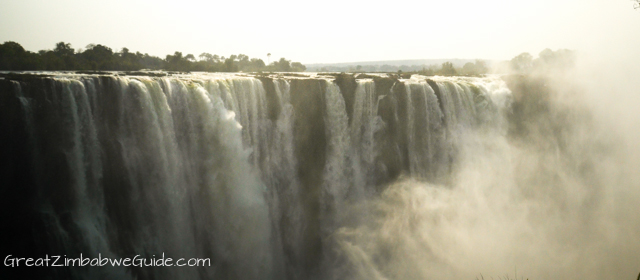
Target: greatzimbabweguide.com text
{"type": "Point", "coordinates": [57, 260]}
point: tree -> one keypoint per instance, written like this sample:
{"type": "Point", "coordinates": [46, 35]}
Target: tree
{"type": "Point", "coordinates": [177, 62]}
{"type": "Point", "coordinates": [243, 62]}
{"type": "Point", "coordinates": [477, 68]}
{"type": "Point", "coordinates": [243, 57]}
{"type": "Point", "coordinates": [206, 57]}
{"type": "Point", "coordinates": [298, 67]}
{"type": "Point", "coordinates": [99, 57]}
{"type": "Point", "coordinates": [128, 60]}
{"type": "Point", "coordinates": [151, 62]}
{"type": "Point", "coordinates": [447, 69]}
{"type": "Point", "coordinates": [561, 59]}
{"type": "Point", "coordinates": [257, 64]}
{"type": "Point", "coordinates": [63, 49]}
{"type": "Point", "coordinates": [522, 63]}
{"type": "Point", "coordinates": [481, 66]}
{"type": "Point", "coordinates": [230, 64]}
{"type": "Point", "coordinates": [14, 57]}
{"type": "Point", "coordinates": [282, 65]}
{"type": "Point", "coordinates": [65, 52]}
{"type": "Point", "coordinates": [469, 68]}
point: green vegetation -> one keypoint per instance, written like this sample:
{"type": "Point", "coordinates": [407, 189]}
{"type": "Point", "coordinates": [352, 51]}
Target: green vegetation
{"type": "Point", "coordinates": [13, 57]}
{"type": "Point", "coordinates": [445, 69]}
{"type": "Point", "coordinates": [547, 60]}
{"type": "Point", "coordinates": [448, 69]}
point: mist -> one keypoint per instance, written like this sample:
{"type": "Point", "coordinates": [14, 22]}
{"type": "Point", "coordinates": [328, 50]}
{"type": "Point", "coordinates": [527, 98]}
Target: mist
{"type": "Point", "coordinates": [550, 192]}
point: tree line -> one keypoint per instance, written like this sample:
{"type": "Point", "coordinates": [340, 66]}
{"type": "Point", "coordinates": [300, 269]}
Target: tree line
{"type": "Point", "coordinates": [548, 60]}
{"type": "Point", "coordinates": [96, 57]}
{"type": "Point", "coordinates": [477, 68]}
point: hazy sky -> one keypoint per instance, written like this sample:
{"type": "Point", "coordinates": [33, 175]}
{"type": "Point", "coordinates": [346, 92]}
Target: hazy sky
{"type": "Point", "coordinates": [327, 31]}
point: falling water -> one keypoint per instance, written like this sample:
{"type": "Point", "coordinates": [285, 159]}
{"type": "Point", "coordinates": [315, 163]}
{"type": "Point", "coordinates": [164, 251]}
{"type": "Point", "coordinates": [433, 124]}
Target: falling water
{"type": "Point", "coordinates": [271, 177]}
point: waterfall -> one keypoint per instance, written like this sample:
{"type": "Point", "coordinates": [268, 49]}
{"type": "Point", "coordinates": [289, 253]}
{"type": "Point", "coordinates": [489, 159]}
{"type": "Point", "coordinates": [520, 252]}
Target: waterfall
{"type": "Point", "coordinates": [255, 173]}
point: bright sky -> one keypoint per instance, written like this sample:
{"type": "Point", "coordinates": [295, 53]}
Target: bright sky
{"type": "Point", "coordinates": [327, 31]}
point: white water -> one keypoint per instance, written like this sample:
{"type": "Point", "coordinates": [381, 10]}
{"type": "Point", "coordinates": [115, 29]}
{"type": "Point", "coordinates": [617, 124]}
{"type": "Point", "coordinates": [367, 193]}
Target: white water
{"type": "Point", "coordinates": [196, 166]}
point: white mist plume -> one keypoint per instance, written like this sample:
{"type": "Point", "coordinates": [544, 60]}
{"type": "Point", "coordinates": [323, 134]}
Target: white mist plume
{"type": "Point", "coordinates": [557, 202]}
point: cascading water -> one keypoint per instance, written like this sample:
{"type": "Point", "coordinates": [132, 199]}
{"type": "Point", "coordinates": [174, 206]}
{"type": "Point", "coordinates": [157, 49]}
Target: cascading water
{"type": "Point", "coordinates": [271, 177]}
